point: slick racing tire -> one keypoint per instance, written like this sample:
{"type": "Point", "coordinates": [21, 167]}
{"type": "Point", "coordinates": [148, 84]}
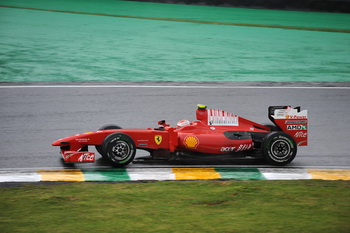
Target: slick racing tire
{"type": "Point", "coordinates": [105, 127]}
{"type": "Point", "coordinates": [119, 148]}
{"type": "Point", "coordinates": [279, 148]}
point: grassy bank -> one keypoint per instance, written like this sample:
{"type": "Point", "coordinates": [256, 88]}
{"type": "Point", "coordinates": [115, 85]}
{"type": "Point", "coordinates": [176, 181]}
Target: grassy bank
{"type": "Point", "coordinates": [168, 42]}
{"type": "Point", "coordinates": [201, 206]}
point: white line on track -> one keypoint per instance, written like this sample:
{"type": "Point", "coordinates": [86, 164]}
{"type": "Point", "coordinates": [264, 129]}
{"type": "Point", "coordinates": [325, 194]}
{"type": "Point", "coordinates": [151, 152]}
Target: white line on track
{"type": "Point", "coordinates": [184, 87]}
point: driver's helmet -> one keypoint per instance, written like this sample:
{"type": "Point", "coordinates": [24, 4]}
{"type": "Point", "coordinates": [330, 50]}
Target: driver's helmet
{"type": "Point", "coordinates": [183, 123]}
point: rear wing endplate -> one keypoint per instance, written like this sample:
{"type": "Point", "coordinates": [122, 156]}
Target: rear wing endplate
{"type": "Point", "coordinates": [292, 121]}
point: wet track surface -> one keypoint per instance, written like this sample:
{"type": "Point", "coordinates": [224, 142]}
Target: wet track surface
{"type": "Point", "coordinates": [33, 117]}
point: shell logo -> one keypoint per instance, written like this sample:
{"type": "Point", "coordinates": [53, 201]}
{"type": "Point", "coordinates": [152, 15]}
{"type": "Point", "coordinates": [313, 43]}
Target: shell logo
{"type": "Point", "coordinates": [191, 142]}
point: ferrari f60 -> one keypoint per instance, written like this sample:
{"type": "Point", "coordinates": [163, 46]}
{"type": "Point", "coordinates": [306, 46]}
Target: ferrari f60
{"type": "Point", "coordinates": [214, 132]}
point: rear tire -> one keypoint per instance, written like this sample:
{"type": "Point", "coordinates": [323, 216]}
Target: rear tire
{"type": "Point", "coordinates": [279, 148]}
{"type": "Point", "coordinates": [119, 148]}
{"type": "Point", "coordinates": [105, 127]}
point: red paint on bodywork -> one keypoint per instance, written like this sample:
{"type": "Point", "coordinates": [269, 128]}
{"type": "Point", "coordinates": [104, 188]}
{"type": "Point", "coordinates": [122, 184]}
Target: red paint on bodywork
{"type": "Point", "coordinates": [205, 135]}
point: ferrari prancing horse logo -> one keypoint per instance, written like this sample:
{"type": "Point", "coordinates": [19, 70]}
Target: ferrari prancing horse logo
{"type": "Point", "coordinates": [158, 139]}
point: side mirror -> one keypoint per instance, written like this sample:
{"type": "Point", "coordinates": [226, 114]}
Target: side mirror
{"type": "Point", "coordinates": [163, 123]}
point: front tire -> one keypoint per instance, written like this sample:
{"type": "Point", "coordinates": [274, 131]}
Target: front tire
{"type": "Point", "coordinates": [105, 127]}
{"type": "Point", "coordinates": [279, 148]}
{"type": "Point", "coordinates": [119, 148]}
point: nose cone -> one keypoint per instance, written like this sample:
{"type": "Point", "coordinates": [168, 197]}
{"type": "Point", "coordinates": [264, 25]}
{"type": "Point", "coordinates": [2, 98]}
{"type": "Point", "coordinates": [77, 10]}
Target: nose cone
{"type": "Point", "coordinates": [59, 143]}
{"type": "Point", "coordinates": [56, 143]}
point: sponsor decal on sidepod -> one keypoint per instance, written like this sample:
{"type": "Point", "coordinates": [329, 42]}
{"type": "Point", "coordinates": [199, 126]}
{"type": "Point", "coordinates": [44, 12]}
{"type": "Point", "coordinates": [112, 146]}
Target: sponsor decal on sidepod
{"type": "Point", "coordinates": [191, 142]}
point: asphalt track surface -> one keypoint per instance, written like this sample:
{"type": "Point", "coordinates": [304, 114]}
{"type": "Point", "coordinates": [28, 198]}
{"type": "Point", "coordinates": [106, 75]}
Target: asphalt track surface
{"type": "Point", "coordinates": [32, 116]}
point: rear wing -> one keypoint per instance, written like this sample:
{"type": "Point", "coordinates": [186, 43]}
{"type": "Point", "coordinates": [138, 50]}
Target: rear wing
{"type": "Point", "coordinates": [291, 121]}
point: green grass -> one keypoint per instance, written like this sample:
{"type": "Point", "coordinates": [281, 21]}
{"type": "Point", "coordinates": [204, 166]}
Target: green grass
{"type": "Point", "coordinates": [49, 46]}
{"type": "Point", "coordinates": [196, 206]}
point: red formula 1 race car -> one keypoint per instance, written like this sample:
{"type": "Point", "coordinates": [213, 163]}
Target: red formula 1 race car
{"type": "Point", "coordinates": [215, 132]}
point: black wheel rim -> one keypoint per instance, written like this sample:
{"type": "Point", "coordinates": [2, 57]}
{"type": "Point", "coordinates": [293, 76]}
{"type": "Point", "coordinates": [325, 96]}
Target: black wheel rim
{"type": "Point", "coordinates": [280, 149]}
{"type": "Point", "coordinates": [121, 151]}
